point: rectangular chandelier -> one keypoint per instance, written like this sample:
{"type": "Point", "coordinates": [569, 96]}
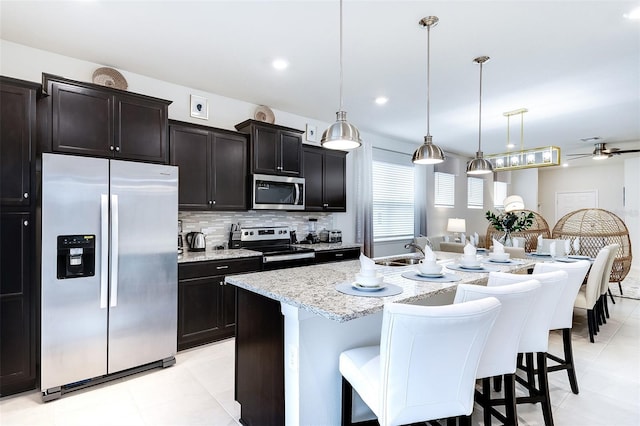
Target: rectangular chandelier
{"type": "Point", "coordinates": [543, 156]}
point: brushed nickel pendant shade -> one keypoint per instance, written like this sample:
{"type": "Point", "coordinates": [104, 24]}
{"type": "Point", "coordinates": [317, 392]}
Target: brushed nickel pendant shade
{"type": "Point", "coordinates": [479, 165]}
{"type": "Point", "coordinates": [341, 134]}
{"type": "Point", "coordinates": [428, 153]}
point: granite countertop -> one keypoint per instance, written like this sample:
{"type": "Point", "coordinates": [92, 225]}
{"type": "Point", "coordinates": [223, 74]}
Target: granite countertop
{"type": "Point", "coordinates": [313, 287]}
{"type": "Point", "coordinates": [200, 256]}
{"type": "Point", "coordinates": [328, 246]}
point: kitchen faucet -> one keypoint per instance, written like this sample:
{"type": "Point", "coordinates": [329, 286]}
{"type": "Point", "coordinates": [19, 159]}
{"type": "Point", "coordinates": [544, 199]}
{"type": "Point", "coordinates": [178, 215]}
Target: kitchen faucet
{"type": "Point", "coordinates": [415, 246]}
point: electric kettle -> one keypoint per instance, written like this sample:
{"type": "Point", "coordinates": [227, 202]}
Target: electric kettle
{"type": "Point", "coordinates": [195, 241]}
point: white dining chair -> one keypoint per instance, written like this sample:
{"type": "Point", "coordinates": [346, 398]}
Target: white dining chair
{"type": "Point", "coordinates": [425, 366]}
{"type": "Point", "coordinates": [589, 294]}
{"type": "Point", "coordinates": [535, 336]}
{"type": "Point", "coordinates": [604, 288]}
{"type": "Point", "coordinates": [501, 351]}
{"type": "Point", "coordinates": [563, 316]}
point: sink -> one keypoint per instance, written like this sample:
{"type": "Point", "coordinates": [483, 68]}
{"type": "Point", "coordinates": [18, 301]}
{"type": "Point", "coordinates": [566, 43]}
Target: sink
{"type": "Point", "coordinates": [399, 262]}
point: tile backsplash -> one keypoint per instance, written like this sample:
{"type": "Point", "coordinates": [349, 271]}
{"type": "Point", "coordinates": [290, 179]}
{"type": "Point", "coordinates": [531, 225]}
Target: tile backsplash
{"type": "Point", "coordinates": [216, 225]}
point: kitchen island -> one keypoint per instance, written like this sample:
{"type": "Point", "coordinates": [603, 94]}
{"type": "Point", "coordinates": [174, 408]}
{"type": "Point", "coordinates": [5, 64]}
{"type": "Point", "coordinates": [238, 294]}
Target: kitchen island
{"type": "Point", "coordinates": [292, 325]}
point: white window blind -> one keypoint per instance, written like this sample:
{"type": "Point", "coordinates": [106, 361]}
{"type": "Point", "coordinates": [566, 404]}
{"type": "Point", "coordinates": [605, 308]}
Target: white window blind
{"type": "Point", "coordinates": [393, 204]}
{"type": "Point", "coordinates": [475, 193]}
{"type": "Point", "coordinates": [499, 194]}
{"type": "Point", "coordinates": [445, 185]}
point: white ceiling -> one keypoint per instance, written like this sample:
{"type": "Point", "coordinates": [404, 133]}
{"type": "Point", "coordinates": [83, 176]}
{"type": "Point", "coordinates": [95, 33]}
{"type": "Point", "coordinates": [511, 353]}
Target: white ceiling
{"type": "Point", "coordinates": [574, 64]}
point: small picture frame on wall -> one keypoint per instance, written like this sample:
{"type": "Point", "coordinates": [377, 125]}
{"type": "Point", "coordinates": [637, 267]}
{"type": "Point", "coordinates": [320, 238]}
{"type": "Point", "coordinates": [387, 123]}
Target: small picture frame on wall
{"type": "Point", "coordinates": [199, 107]}
{"type": "Point", "coordinates": [311, 133]}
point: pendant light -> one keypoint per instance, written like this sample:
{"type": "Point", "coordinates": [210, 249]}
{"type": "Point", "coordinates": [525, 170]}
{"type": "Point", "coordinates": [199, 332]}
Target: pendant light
{"type": "Point", "coordinates": [479, 165]}
{"type": "Point", "coordinates": [428, 153]}
{"type": "Point", "coordinates": [341, 134]}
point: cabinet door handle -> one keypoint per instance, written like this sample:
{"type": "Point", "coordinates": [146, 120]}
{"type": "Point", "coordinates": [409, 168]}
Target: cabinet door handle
{"type": "Point", "coordinates": [214, 202]}
{"type": "Point", "coordinates": [111, 148]}
{"type": "Point", "coordinates": [117, 148]}
{"type": "Point", "coordinates": [25, 195]}
{"type": "Point", "coordinates": [221, 283]}
{"type": "Point", "coordinates": [325, 205]}
{"type": "Point", "coordinates": [210, 202]}
{"type": "Point", "coordinates": [222, 267]}
{"type": "Point", "coordinates": [25, 223]}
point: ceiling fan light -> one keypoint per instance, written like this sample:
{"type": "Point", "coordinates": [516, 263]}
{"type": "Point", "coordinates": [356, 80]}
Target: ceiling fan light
{"type": "Point", "coordinates": [479, 165]}
{"type": "Point", "coordinates": [341, 134]}
{"type": "Point", "coordinates": [428, 153]}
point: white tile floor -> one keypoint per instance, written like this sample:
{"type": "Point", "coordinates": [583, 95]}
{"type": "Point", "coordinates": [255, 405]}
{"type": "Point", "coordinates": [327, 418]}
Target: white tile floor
{"type": "Point", "coordinates": [198, 390]}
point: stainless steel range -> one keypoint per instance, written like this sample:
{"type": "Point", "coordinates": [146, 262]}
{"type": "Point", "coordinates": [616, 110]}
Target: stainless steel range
{"type": "Point", "coordinates": [276, 248]}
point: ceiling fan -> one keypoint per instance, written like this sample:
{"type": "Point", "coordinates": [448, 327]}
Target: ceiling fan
{"type": "Point", "coordinates": [601, 152]}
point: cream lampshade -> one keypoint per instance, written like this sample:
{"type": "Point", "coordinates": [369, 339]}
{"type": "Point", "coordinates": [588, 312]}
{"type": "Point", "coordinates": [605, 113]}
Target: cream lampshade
{"type": "Point", "coordinates": [456, 226]}
{"type": "Point", "coordinates": [513, 203]}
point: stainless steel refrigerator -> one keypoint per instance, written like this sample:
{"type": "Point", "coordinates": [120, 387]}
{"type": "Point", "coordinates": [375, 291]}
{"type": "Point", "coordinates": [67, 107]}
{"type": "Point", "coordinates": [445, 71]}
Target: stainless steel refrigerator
{"type": "Point", "coordinates": [109, 269]}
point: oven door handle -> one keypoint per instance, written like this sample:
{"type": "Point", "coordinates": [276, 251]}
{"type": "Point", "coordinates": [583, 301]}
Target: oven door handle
{"type": "Point", "coordinates": [283, 257]}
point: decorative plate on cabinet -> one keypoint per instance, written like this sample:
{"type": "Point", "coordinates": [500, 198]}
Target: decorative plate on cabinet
{"type": "Point", "coordinates": [109, 77]}
{"type": "Point", "coordinates": [264, 114]}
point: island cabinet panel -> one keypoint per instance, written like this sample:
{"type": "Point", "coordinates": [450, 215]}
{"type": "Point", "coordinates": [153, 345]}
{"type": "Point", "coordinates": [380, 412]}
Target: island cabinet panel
{"type": "Point", "coordinates": [274, 150]}
{"type": "Point", "coordinates": [259, 373]}
{"type": "Point", "coordinates": [212, 164]}
{"type": "Point", "coordinates": [338, 255]}
{"type": "Point", "coordinates": [325, 179]}
{"type": "Point", "coordinates": [206, 304]}
{"type": "Point", "coordinates": [88, 119]}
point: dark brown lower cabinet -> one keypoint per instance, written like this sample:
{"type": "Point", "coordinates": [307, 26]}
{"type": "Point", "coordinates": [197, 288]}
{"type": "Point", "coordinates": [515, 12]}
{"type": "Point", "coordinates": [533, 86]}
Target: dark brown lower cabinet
{"type": "Point", "coordinates": [337, 255]}
{"type": "Point", "coordinates": [206, 304]}
{"type": "Point", "coordinates": [259, 375]}
{"type": "Point", "coordinates": [17, 305]}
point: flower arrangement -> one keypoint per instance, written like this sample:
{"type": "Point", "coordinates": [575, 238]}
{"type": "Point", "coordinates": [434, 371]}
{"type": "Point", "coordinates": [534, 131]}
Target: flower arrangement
{"type": "Point", "coordinates": [510, 222]}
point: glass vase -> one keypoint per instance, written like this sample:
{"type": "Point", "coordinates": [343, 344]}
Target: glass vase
{"type": "Point", "coordinates": [506, 239]}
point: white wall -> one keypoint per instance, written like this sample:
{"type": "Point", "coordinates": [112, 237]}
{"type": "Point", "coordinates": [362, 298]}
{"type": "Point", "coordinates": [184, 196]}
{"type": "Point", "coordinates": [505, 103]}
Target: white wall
{"type": "Point", "coordinates": [632, 207]}
{"type": "Point", "coordinates": [607, 179]}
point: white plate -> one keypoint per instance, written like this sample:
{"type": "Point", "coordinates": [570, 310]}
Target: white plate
{"type": "Point", "coordinates": [499, 261]}
{"type": "Point", "coordinates": [578, 256]}
{"type": "Point", "coordinates": [471, 267]}
{"type": "Point", "coordinates": [438, 275]}
{"type": "Point", "coordinates": [361, 287]}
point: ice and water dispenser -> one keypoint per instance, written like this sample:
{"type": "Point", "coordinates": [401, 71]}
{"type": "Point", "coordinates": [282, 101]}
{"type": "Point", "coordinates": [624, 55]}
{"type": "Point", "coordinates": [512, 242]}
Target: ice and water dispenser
{"type": "Point", "coordinates": [76, 256]}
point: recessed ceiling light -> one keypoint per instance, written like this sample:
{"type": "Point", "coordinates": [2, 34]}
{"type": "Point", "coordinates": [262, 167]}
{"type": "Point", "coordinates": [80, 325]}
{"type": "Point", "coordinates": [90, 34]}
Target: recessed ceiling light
{"type": "Point", "coordinates": [634, 14]}
{"type": "Point", "coordinates": [381, 100]}
{"type": "Point", "coordinates": [565, 164]}
{"type": "Point", "coordinates": [591, 139]}
{"type": "Point", "coordinates": [280, 64]}
{"type": "Point", "coordinates": [511, 145]}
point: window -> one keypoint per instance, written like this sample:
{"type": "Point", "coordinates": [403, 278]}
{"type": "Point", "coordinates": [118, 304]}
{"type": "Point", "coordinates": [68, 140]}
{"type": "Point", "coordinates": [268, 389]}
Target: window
{"type": "Point", "coordinates": [499, 194]}
{"type": "Point", "coordinates": [445, 185]}
{"type": "Point", "coordinates": [475, 193]}
{"type": "Point", "coordinates": [392, 201]}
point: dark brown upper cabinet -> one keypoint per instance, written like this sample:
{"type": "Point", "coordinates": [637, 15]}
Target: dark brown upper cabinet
{"type": "Point", "coordinates": [274, 150]}
{"type": "Point", "coordinates": [88, 119]}
{"type": "Point", "coordinates": [325, 179]}
{"type": "Point", "coordinates": [17, 140]}
{"type": "Point", "coordinates": [212, 165]}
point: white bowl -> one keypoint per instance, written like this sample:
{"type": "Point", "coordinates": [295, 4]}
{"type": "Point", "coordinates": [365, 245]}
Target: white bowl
{"type": "Point", "coordinates": [429, 268]}
{"type": "Point", "coordinates": [469, 261]}
{"type": "Point", "coordinates": [365, 281]}
{"type": "Point", "coordinates": [501, 257]}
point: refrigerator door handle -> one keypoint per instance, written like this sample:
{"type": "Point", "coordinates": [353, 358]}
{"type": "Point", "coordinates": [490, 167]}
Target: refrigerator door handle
{"type": "Point", "coordinates": [114, 251]}
{"type": "Point", "coordinates": [104, 249]}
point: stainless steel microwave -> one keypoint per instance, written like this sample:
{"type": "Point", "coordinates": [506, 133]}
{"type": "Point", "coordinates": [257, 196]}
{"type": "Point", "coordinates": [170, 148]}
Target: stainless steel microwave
{"type": "Point", "coordinates": [270, 192]}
